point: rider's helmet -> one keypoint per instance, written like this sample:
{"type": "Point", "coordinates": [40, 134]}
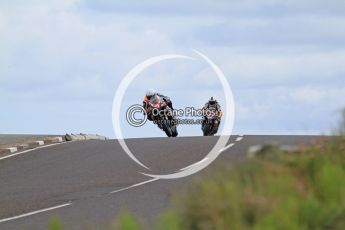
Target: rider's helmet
{"type": "Point", "coordinates": [150, 93]}
{"type": "Point", "coordinates": [212, 101]}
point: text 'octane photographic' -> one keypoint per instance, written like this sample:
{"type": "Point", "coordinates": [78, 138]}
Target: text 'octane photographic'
{"type": "Point", "coordinates": [136, 115]}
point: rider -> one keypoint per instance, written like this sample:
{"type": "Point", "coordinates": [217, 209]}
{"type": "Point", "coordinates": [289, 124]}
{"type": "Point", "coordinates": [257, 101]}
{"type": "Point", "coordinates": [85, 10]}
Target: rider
{"type": "Point", "coordinates": [146, 103]}
{"type": "Point", "coordinates": [213, 104]}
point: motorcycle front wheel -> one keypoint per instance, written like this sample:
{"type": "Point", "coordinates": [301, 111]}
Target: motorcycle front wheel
{"type": "Point", "coordinates": [166, 128]}
{"type": "Point", "coordinates": [207, 128]}
{"type": "Point", "coordinates": [174, 131]}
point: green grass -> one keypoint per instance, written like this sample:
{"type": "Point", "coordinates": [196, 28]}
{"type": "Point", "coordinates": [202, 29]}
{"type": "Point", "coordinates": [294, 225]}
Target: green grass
{"type": "Point", "coordinates": [55, 224]}
{"type": "Point", "coordinates": [126, 221]}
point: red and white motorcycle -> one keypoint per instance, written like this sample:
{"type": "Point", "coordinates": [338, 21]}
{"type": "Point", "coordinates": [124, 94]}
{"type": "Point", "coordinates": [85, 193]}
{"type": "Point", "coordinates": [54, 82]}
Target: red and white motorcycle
{"type": "Point", "coordinates": [163, 116]}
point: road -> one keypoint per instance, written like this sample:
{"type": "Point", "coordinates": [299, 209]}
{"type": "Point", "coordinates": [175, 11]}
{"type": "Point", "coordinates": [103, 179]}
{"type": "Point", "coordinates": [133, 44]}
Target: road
{"type": "Point", "coordinates": [81, 182]}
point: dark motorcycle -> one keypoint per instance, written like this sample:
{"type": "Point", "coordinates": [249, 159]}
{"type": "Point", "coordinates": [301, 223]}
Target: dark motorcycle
{"type": "Point", "coordinates": [162, 115]}
{"type": "Point", "coordinates": [211, 122]}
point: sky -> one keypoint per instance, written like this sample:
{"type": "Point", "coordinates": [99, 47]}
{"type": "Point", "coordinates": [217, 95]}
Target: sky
{"type": "Point", "coordinates": [61, 62]}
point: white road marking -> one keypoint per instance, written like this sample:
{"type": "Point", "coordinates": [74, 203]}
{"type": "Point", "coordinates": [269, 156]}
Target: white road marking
{"type": "Point", "coordinates": [68, 204]}
{"type": "Point", "coordinates": [135, 185]}
{"type": "Point", "coordinates": [35, 212]}
{"type": "Point", "coordinates": [199, 162]}
{"type": "Point", "coordinates": [29, 150]}
{"type": "Point", "coordinates": [239, 138]}
{"type": "Point", "coordinates": [226, 147]}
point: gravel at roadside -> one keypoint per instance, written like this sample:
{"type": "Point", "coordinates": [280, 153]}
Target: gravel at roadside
{"type": "Point", "coordinates": [13, 140]}
{"type": "Point", "coordinates": [12, 143]}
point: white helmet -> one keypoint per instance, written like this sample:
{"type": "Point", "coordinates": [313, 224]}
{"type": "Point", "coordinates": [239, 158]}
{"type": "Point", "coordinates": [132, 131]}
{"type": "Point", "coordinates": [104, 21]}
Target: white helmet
{"type": "Point", "coordinates": [150, 93]}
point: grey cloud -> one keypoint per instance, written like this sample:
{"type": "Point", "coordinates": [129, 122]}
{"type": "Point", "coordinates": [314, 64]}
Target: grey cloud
{"type": "Point", "coordinates": [325, 33]}
{"type": "Point", "coordinates": [262, 8]}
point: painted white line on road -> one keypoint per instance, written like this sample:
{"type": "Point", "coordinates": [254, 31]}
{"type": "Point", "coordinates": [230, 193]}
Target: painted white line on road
{"type": "Point", "coordinates": [239, 138]}
{"type": "Point", "coordinates": [35, 212]}
{"type": "Point", "coordinates": [199, 162]}
{"type": "Point", "coordinates": [226, 147]}
{"type": "Point", "coordinates": [29, 150]}
{"type": "Point", "coordinates": [135, 185]}
{"type": "Point", "coordinates": [220, 151]}
{"type": "Point", "coordinates": [68, 204]}
{"type": "Point", "coordinates": [13, 149]}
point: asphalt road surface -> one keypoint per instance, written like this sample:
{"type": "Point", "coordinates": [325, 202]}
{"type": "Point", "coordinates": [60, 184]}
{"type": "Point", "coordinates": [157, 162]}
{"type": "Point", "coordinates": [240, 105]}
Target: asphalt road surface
{"type": "Point", "coordinates": [88, 183]}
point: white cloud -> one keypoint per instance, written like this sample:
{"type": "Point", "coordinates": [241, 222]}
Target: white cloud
{"type": "Point", "coordinates": [278, 70]}
{"type": "Point", "coordinates": [238, 8]}
{"type": "Point", "coordinates": [318, 96]}
{"type": "Point", "coordinates": [308, 95]}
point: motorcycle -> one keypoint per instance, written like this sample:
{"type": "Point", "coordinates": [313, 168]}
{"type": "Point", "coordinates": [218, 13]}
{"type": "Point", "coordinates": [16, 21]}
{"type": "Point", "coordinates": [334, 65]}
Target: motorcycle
{"type": "Point", "coordinates": [162, 115]}
{"type": "Point", "coordinates": [211, 122]}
